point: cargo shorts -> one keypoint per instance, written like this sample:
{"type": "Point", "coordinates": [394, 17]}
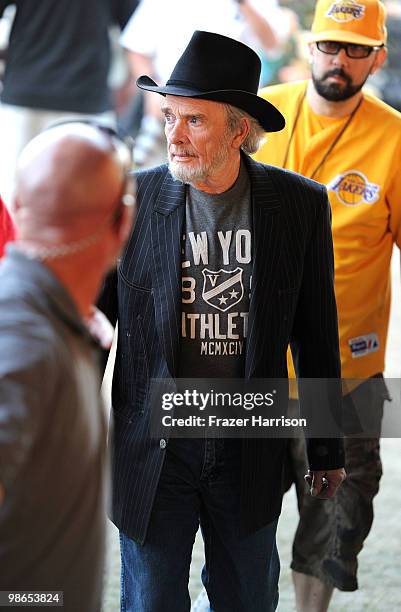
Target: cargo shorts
{"type": "Point", "coordinates": [330, 533]}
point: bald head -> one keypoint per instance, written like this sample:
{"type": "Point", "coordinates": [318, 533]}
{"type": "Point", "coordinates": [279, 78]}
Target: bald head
{"type": "Point", "coordinates": [68, 182]}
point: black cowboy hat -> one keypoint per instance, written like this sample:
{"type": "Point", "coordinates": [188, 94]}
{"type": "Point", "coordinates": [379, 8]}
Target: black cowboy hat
{"type": "Point", "coordinates": [214, 67]}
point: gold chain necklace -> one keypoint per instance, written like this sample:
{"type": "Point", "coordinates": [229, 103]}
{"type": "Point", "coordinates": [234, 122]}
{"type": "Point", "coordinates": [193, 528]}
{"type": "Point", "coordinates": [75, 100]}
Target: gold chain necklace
{"type": "Point", "coordinates": [332, 145]}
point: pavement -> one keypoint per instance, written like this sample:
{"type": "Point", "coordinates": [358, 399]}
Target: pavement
{"type": "Point", "coordinates": [379, 561]}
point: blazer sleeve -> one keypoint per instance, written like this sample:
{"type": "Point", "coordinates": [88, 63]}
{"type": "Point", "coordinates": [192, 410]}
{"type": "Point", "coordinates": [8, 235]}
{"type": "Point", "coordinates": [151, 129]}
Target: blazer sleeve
{"type": "Point", "coordinates": [315, 347]}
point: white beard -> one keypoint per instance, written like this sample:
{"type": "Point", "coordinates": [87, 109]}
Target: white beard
{"type": "Point", "coordinates": [188, 175]}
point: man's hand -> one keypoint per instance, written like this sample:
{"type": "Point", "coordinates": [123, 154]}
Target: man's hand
{"type": "Point", "coordinates": [324, 483]}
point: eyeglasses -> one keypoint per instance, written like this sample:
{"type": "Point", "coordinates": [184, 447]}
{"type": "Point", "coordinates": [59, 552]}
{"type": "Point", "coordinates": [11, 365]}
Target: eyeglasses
{"type": "Point", "coordinates": [331, 47]}
{"type": "Point", "coordinates": [122, 149]}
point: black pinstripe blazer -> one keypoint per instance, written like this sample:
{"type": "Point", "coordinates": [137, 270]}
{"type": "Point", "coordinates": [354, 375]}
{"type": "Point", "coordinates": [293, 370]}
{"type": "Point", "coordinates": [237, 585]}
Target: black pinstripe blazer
{"type": "Point", "coordinates": [292, 301]}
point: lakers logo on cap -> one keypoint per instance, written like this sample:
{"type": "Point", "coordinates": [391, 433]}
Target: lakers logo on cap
{"type": "Point", "coordinates": [346, 10]}
{"type": "Point", "coordinates": [353, 188]}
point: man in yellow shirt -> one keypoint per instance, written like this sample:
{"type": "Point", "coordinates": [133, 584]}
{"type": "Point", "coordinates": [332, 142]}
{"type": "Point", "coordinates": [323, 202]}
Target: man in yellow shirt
{"type": "Point", "coordinates": [350, 141]}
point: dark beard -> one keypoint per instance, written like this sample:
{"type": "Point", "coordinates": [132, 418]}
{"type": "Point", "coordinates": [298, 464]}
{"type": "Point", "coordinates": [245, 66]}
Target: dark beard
{"type": "Point", "coordinates": [336, 92]}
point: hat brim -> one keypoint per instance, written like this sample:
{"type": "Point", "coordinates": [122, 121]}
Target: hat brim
{"type": "Point", "coordinates": [267, 115]}
{"type": "Point", "coordinates": [343, 36]}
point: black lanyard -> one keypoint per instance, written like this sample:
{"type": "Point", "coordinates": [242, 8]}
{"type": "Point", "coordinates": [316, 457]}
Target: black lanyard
{"type": "Point", "coordinates": [332, 145]}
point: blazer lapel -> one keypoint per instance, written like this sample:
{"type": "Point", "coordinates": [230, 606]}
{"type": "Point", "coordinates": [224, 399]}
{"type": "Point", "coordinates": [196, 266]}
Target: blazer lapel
{"type": "Point", "coordinates": [266, 253]}
{"type": "Point", "coordinates": [166, 233]}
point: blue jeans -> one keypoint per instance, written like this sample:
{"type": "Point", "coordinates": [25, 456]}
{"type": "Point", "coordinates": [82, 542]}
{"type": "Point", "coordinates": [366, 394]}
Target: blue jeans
{"type": "Point", "coordinates": [200, 484]}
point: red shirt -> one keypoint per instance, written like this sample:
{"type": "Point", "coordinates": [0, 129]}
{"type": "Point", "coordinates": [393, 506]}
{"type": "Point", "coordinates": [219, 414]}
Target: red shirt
{"type": "Point", "coordinates": [7, 230]}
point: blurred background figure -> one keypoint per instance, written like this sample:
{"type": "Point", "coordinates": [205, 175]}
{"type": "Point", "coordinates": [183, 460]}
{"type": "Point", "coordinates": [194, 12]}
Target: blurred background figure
{"type": "Point", "coordinates": [56, 64]}
{"type": "Point", "coordinates": [71, 189]}
{"type": "Point", "coordinates": [159, 31]}
{"type": "Point", "coordinates": [7, 232]}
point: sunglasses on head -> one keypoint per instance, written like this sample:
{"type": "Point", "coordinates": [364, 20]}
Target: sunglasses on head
{"type": "Point", "coordinates": [331, 47]}
{"type": "Point", "coordinates": [123, 153]}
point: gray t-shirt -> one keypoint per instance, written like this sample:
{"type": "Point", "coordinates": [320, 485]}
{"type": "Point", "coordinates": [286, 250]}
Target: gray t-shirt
{"type": "Point", "coordinates": [52, 441]}
{"type": "Point", "coordinates": [216, 281]}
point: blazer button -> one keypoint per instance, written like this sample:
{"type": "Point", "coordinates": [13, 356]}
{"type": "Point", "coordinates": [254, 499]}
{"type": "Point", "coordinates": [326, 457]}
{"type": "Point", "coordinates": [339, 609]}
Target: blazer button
{"type": "Point", "coordinates": [163, 443]}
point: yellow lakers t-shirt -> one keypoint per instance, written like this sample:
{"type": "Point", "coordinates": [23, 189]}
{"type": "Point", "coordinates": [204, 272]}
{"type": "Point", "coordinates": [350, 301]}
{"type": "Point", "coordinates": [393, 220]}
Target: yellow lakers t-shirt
{"type": "Point", "coordinates": [363, 178]}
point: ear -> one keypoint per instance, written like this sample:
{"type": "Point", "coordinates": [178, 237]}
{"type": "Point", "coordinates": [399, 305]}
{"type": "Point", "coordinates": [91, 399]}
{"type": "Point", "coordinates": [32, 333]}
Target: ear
{"type": "Point", "coordinates": [119, 233]}
{"type": "Point", "coordinates": [242, 133]}
{"type": "Point", "coordinates": [126, 223]}
{"type": "Point", "coordinates": [381, 56]}
{"type": "Point", "coordinates": [311, 51]}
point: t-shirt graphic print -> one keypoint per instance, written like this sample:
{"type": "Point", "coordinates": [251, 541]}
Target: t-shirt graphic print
{"type": "Point", "coordinates": [216, 282]}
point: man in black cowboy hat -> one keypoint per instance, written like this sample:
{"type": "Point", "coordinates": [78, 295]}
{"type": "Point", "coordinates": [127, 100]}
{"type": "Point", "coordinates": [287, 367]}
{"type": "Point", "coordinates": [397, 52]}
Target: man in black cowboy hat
{"type": "Point", "coordinates": [230, 260]}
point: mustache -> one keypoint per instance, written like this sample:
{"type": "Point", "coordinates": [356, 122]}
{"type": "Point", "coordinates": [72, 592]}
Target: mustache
{"type": "Point", "coordinates": [182, 152]}
{"type": "Point", "coordinates": [337, 72]}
